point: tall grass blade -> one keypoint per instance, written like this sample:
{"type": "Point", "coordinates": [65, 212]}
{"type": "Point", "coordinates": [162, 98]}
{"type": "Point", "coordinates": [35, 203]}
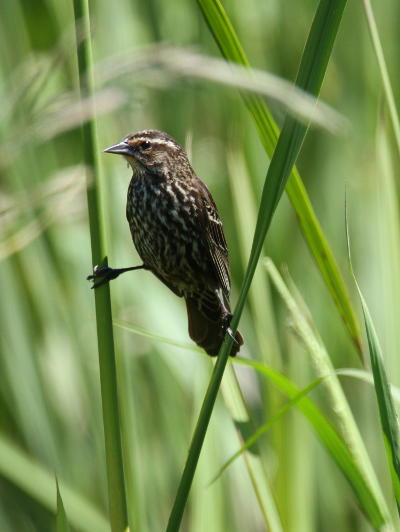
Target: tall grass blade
{"type": "Point", "coordinates": [261, 484]}
{"type": "Point", "coordinates": [61, 517]}
{"type": "Point", "coordinates": [37, 482]}
{"type": "Point", "coordinates": [229, 44]}
{"type": "Point", "coordinates": [331, 440]}
{"type": "Point", "coordinates": [173, 62]}
{"type": "Point", "coordinates": [311, 72]}
{"type": "Point", "coordinates": [387, 411]}
{"type": "Point", "coordinates": [108, 380]}
{"type": "Point", "coordinates": [266, 427]}
{"type": "Point", "coordinates": [387, 86]}
{"type": "Point", "coordinates": [345, 372]}
{"type": "Point", "coordinates": [321, 361]}
{"type": "Point", "coordinates": [366, 376]}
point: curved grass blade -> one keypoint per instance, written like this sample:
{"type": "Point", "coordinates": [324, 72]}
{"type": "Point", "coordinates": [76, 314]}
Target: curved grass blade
{"type": "Point", "coordinates": [38, 483]}
{"type": "Point", "coordinates": [367, 377]}
{"type": "Point", "coordinates": [61, 517]}
{"type": "Point", "coordinates": [387, 86]}
{"type": "Point", "coordinates": [345, 372]}
{"type": "Point", "coordinates": [372, 510]}
{"type": "Point", "coordinates": [238, 410]}
{"type": "Point", "coordinates": [177, 62]}
{"type": "Point", "coordinates": [331, 441]}
{"type": "Point", "coordinates": [105, 338]}
{"type": "Point", "coordinates": [344, 419]}
{"type": "Point", "coordinates": [136, 329]}
{"type": "Point", "coordinates": [311, 72]}
{"type": "Point", "coordinates": [387, 412]}
{"type": "Point", "coordinates": [229, 44]}
{"type": "Point", "coordinates": [259, 477]}
{"type": "Point", "coordinates": [264, 428]}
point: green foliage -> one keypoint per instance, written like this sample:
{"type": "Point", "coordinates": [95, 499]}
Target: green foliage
{"type": "Point", "coordinates": [387, 412]}
{"type": "Point", "coordinates": [268, 131]}
{"type": "Point", "coordinates": [105, 337]}
{"type": "Point", "coordinates": [311, 73]}
{"type": "Point", "coordinates": [312, 469]}
{"type": "Point", "coordinates": [61, 520]}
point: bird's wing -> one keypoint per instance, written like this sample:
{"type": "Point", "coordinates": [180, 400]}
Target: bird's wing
{"type": "Point", "coordinates": [214, 238]}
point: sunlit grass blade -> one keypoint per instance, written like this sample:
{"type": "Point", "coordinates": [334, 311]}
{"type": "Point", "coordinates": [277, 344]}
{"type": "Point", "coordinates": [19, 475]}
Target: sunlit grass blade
{"type": "Point", "coordinates": [262, 316]}
{"type": "Point", "coordinates": [61, 517]}
{"type": "Point", "coordinates": [237, 408]}
{"type": "Point", "coordinates": [259, 295]}
{"type": "Point", "coordinates": [261, 483]}
{"type": "Point", "coordinates": [311, 73]}
{"type": "Point", "coordinates": [346, 372]}
{"type": "Point", "coordinates": [372, 508]}
{"type": "Point", "coordinates": [320, 359]}
{"type": "Point", "coordinates": [229, 44]}
{"type": "Point", "coordinates": [144, 332]}
{"type": "Point", "coordinates": [387, 411]}
{"type": "Point", "coordinates": [331, 440]}
{"type": "Point", "coordinates": [38, 483]}
{"type": "Point", "coordinates": [366, 376]}
{"type": "Point", "coordinates": [387, 86]}
{"type": "Point", "coordinates": [173, 62]}
{"type": "Point", "coordinates": [108, 379]}
{"type": "Point", "coordinates": [264, 428]}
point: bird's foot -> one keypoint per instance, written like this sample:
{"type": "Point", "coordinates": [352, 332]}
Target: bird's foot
{"type": "Point", "coordinates": [226, 329]}
{"type": "Point", "coordinates": [104, 274]}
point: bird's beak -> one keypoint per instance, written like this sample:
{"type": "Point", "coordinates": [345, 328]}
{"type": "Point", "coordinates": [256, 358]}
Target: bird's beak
{"type": "Point", "coordinates": [122, 148]}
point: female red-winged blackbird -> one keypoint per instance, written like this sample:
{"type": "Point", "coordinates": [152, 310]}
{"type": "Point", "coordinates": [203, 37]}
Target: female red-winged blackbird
{"type": "Point", "coordinates": [178, 234]}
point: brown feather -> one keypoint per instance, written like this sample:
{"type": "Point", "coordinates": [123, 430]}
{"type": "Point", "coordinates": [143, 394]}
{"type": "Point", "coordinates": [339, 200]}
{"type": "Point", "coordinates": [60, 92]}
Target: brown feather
{"type": "Point", "coordinates": [215, 242]}
{"type": "Point", "coordinates": [207, 333]}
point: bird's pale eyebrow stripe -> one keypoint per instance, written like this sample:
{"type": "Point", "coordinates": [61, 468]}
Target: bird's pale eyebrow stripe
{"type": "Point", "coordinates": [153, 140]}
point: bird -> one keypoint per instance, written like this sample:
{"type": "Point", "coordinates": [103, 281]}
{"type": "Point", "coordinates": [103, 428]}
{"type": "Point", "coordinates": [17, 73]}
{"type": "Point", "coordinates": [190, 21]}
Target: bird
{"type": "Point", "coordinates": [178, 234]}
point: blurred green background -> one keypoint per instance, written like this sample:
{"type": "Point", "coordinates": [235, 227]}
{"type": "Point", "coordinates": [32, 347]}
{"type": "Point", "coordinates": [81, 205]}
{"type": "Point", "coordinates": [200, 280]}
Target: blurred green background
{"type": "Point", "coordinates": [50, 408]}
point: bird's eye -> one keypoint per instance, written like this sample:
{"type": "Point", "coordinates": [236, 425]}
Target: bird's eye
{"type": "Point", "coordinates": [145, 145]}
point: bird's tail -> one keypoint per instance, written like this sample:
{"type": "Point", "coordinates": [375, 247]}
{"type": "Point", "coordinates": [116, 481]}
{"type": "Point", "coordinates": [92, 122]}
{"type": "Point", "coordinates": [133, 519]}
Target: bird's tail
{"type": "Point", "coordinates": [208, 333]}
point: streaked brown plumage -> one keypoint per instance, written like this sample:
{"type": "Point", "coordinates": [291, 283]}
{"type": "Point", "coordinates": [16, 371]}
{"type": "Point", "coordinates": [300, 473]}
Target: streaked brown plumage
{"type": "Point", "coordinates": [178, 234]}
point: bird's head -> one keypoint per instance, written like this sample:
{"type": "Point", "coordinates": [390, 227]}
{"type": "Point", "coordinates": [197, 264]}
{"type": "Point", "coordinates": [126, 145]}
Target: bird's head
{"type": "Point", "coordinates": [154, 151]}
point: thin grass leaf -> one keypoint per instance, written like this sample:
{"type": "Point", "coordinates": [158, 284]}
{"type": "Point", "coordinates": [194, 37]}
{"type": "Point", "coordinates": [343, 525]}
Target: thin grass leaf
{"type": "Point", "coordinates": [229, 44]}
{"type": "Point", "coordinates": [366, 492]}
{"type": "Point", "coordinates": [263, 324]}
{"type": "Point", "coordinates": [387, 86]}
{"type": "Point", "coordinates": [38, 483]}
{"type": "Point", "coordinates": [366, 376]}
{"type": "Point", "coordinates": [343, 416]}
{"type": "Point", "coordinates": [359, 374]}
{"type": "Point", "coordinates": [240, 415]}
{"type": "Point", "coordinates": [387, 411]}
{"type": "Point", "coordinates": [330, 439]}
{"type": "Point", "coordinates": [237, 408]}
{"type": "Point", "coordinates": [61, 517]}
{"type": "Point", "coordinates": [311, 72]}
{"type": "Point", "coordinates": [264, 428]}
{"type": "Point", "coordinates": [170, 62]}
{"type": "Point", "coordinates": [148, 334]}
{"type": "Point", "coordinates": [108, 378]}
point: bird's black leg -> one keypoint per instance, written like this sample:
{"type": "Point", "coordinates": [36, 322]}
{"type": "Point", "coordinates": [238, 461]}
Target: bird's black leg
{"type": "Point", "coordinates": [106, 274]}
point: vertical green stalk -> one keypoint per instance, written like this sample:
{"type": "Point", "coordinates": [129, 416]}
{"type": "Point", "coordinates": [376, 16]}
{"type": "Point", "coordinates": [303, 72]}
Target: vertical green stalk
{"type": "Point", "coordinates": [311, 73]}
{"type": "Point", "coordinates": [105, 337]}
{"type": "Point", "coordinates": [198, 437]}
{"type": "Point", "coordinates": [387, 86]}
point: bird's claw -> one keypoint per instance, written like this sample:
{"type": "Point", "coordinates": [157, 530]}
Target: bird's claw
{"type": "Point", "coordinates": [227, 330]}
{"type": "Point", "coordinates": [103, 273]}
